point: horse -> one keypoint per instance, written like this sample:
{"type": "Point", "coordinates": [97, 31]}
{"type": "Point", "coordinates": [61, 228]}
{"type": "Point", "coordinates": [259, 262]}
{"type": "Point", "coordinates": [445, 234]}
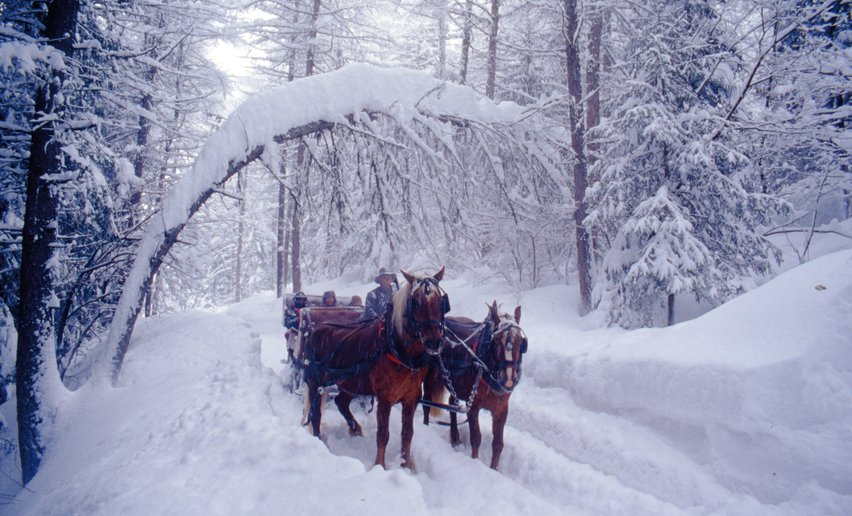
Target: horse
{"type": "Point", "coordinates": [482, 365]}
{"type": "Point", "coordinates": [309, 318]}
{"type": "Point", "coordinates": [386, 357]}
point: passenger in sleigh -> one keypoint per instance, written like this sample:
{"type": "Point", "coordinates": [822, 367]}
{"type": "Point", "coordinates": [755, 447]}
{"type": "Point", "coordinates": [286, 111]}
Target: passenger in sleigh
{"type": "Point", "coordinates": [329, 299]}
{"type": "Point", "coordinates": [291, 320]}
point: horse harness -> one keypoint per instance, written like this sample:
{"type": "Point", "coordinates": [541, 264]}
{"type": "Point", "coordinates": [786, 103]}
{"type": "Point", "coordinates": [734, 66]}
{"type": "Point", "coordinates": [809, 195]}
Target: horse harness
{"type": "Point", "coordinates": [327, 375]}
{"type": "Point", "coordinates": [479, 353]}
{"type": "Point", "coordinates": [391, 339]}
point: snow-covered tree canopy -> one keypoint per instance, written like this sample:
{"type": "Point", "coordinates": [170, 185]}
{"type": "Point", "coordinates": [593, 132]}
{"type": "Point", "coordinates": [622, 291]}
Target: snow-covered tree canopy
{"type": "Point", "coordinates": [396, 107]}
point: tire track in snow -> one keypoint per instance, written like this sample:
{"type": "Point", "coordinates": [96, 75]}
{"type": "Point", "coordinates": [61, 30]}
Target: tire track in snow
{"type": "Point", "coordinates": [614, 446]}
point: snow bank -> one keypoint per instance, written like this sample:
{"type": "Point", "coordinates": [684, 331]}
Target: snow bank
{"type": "Point", "coordinates": [756, 391]}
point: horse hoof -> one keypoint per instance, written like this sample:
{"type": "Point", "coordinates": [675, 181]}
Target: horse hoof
{"type": "Point", "coordinates": [357, 432]}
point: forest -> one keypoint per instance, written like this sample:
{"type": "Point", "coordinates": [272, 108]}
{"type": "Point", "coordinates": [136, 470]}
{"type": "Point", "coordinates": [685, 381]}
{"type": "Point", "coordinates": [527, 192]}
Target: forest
{"type": "Point", "coordinates": [642, 152]}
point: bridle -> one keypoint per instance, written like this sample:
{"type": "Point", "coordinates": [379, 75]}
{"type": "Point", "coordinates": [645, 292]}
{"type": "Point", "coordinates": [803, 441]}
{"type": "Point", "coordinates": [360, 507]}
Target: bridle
{"type": "Point", "coordinates": [506, 327]}
{"type": "Point", "coordinates": [414, 324]}
{"type": "Point", "coordinates": [420, 325]}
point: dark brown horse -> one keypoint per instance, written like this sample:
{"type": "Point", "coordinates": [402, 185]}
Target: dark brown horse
{"type": "Point", "coordinates": [480, 365]}
{"type": "Point", "coordinates": [386, 357]}
{"type": "Point", "coordinates": [309, 318]}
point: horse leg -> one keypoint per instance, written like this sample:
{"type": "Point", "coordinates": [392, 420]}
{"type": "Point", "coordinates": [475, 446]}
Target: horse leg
{"type": "Point", "coordinates": [498, 422]}
{"type": "Point", "coordinates": [382, 430]}
{"type": "Point", "coordinates": [475, 433]}
{"type": "Point", "coordinates": [315, 412]}
{"type": "Point", "coordinates": [408, 410]}
{"type": "Point", "coordinates": [343, 400]}
{"type": "Point", "coordinates": [455, 438]}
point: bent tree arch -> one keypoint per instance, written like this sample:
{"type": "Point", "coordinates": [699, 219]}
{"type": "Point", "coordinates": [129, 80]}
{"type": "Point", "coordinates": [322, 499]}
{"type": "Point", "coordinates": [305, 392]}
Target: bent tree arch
{"type": "Point", "coordinates": [349, 96]}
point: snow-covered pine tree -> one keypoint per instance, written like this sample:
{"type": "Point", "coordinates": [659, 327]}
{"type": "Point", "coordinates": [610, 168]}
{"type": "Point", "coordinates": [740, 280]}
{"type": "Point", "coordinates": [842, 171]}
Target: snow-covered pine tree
{"type": "Point", "coordinates": [660, 137]}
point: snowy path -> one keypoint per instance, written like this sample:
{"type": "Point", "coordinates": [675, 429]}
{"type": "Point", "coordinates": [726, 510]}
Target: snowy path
{"type": "Point", "coordinates": [541, 470]}
{"type": "Point", "coordinates": [556, 458]}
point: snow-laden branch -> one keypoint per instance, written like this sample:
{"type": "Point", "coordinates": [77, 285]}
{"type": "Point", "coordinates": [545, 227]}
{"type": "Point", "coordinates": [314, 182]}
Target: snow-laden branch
{"type": "Point", "coordinates": [296, 109]}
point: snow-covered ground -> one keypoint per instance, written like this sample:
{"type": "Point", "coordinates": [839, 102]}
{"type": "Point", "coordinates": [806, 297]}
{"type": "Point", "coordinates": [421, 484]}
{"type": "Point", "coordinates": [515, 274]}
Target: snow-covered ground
{"type": "Point", "coordinates": [745, 410]}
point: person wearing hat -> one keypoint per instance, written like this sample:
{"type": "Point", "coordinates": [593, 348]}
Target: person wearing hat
{"type": "Point", "coordinates": [291, 315]}
{"type": "Point", "coordinates": [291, 322]}
{"type": "Point", "coordinates": [379, 297]}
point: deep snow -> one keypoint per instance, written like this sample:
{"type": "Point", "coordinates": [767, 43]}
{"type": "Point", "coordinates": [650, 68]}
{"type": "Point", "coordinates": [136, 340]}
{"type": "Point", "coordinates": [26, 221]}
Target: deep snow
{"type": "Point", "coordinates": [745, 410]}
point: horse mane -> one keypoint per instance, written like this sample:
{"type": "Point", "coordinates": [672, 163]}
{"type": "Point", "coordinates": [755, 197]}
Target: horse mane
{"type": "Point", "coordinates": [400, 301]}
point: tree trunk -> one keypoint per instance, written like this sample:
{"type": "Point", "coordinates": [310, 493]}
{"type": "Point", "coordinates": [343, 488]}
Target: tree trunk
{"type": "Point", "coordinates": [492, 49]}
{"type": "Point", "coordinates": [467, 31]}
{"type": "Point", "coordinates": [584, 263]}
{"type": "Point", "coordinates": [296, 223]}
{"type": "Point", "coordinates": [441, 14]}
{"type": "Point", "coordinates": [670, 302]}
{"type": "Point", "coordinates": [281, 242]}
{"type": "Point", "coordinates": [241, 227]}
{"type": "Point", "coordinates": [37, 375]}
{"type": "Point", "coordinates": [593, 79]}
{"type": "Point", "coordinates": [296, 239]}
{"type": "Point", "coordinates": [312, 37]}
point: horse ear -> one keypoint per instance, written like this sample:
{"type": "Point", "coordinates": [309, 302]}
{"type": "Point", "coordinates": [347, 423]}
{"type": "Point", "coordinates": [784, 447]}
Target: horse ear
{"type": "Point", "coordinates": [439, 275]}
{"type": "Point", "coordinates": [411, 279]}
{"type": "Point", "coordinates": [518, 314]}
{"type": "Point", "coordinates": [492, 312]}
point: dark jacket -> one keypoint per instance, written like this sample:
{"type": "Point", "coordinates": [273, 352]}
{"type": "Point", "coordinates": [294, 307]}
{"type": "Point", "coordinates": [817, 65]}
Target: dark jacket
{"type": "Point", "coordinates": [377, 301]}
{"type": "Point", "coordinates": [291, 317]}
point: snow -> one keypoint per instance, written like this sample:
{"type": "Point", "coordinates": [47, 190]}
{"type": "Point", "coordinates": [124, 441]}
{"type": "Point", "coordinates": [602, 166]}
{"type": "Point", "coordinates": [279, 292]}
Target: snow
{"type": "Point", "coordinates": [744, 410]}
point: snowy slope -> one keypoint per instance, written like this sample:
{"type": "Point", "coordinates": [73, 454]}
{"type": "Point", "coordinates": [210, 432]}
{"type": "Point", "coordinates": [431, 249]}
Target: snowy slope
{"type": "Point", "coordinates": [742, 411]}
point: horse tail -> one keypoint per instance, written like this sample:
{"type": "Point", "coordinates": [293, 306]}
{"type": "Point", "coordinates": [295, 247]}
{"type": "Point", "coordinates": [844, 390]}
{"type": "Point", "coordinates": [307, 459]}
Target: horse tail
{"type": "Point", "coordinates": [434, 391]}
{"type": "Point", "coordinates": [438, 398]}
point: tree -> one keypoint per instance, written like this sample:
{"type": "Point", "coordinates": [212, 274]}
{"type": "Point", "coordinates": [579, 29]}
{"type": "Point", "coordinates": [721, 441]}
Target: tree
{"type": "Point", "coordinates": [37, 378]}
{"type": "Point", "coordinates": [578, 146]}
{"type": "Point", "coordinates": [668, 189]}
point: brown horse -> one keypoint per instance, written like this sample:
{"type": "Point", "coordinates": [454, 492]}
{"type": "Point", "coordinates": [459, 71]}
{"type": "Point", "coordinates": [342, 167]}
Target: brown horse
{"type": "Point", "coordinates": [481, 364]}
{"type": "Point", "coordinates": [386, 357]}
{"type": "Point", "coordinates": [309, 318]}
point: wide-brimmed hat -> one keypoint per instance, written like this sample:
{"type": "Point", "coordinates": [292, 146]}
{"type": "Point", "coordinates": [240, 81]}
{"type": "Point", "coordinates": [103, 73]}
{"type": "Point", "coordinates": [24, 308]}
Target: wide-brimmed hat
{"type": "Point", "coordinates": [384, 272]}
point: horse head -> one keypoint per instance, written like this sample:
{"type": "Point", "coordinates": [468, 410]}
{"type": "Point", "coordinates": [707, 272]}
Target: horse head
{"type": "Point", "coordinates": [508, 344]}
{"type": "Point", "coordinates": [419, 310]}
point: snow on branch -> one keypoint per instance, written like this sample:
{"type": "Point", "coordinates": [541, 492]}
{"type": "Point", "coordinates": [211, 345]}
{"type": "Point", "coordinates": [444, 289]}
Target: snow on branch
{"type": "Point", "coordinates": [296, 109]}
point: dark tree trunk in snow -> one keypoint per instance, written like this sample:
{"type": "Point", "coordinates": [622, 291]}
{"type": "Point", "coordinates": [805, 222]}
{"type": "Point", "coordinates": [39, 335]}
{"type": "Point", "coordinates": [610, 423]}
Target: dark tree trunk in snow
{"type": "Point", "coordinates": [492, 49]}
{"type": "Point", "coordinates": [36, 373]}
{"type": "Point", "coordinates": [282, 241]}
{"type": "Point", "coordinates": [241, 227]}
{"type": "Point", "coordinates": [593, 79]}
{"type": "Point", "coordinates": [296, 233]}
{"type": "Point", "coordinates": [442, 39]}
{"type": "Point", "coordinates": [670, 311]}
{"type": "Point", "coordinates": [578, 146]}
{"type": "Point", "coordinates": [295, 228]}
{"type": "Point", "coordinates": [467, 31]}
